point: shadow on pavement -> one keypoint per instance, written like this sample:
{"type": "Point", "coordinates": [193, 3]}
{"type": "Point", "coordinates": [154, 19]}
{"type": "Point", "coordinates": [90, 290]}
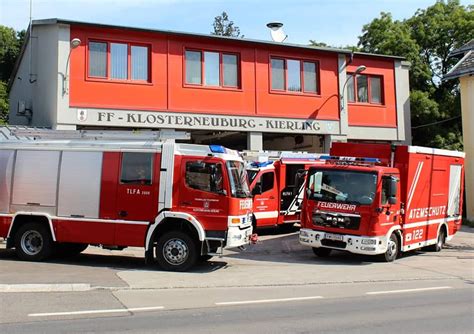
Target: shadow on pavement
{"type": "Point", "coordinates": [286, 248]}
{"type": "Point", "coordinates": [111, 261]}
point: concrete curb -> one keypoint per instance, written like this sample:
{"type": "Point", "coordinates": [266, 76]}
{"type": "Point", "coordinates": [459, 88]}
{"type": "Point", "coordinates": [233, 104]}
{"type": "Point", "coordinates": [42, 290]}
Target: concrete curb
{"type": "Point", "coordinates": [18, 288]}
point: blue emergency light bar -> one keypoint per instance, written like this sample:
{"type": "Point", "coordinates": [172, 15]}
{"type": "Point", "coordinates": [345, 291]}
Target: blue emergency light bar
{"type": "Point", "coordinates": [217, 148]}
{"type": "Point", "coordinates": [350, 159]}
{"type": "Point", "coordinates": [261, 164]}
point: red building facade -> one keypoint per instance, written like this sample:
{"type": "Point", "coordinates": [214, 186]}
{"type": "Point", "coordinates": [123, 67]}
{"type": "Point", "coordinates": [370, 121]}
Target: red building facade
{"type": "Point", "coordinates": [242, 93]}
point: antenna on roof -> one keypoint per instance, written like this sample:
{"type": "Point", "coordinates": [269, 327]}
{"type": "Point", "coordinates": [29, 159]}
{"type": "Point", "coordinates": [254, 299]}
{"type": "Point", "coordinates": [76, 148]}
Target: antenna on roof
{"type": "Point", "coordinates": [276, 31]}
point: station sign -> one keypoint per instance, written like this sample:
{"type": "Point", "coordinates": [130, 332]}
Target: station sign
{"type": "Point", "coordinates": [190, 121]}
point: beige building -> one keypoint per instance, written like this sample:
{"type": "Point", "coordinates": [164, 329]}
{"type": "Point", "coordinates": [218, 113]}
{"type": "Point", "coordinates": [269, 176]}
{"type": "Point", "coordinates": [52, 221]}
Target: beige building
{"type": "Point", "coordinates": [464, 71]}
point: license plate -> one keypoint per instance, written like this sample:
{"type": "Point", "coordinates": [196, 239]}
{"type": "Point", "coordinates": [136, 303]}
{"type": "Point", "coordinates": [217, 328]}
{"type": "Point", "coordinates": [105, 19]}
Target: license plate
{"type": "Point", "coordinates": [336, 237]}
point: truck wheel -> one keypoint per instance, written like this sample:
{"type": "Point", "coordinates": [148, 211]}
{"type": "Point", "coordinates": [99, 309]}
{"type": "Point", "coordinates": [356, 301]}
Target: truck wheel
{"type": "Point", "coordinates": [392, 249]}
{"type": "Point", "coordinates": [321, 251]}
{"type": "Point", "coordinates": [33, 242]}
{"type": "Point", "coordinates": [438, 246]}
{"type": "Point", "coordinates": [70, 249]}
{"type": "Point", "coordinates": [176, 251]}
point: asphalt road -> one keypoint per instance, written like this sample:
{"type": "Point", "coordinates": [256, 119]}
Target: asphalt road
{"type": "Point", "coordinates": [275, 286]}
{"type": "Point", "coordinates": [438, 311]}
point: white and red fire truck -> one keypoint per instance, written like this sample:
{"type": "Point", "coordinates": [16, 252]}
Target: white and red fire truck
{"type": "Point", "coordinates": [276, 183]}
{"type": "Point", "coordinates": [401, 198]}
{"type": "Point", "coordinates": [181, 202]}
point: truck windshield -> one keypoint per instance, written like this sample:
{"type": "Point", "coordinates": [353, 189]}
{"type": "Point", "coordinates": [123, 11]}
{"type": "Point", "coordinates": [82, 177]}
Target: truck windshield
{"type": "Point", "coordinates": [239, 186]}
{"type": "Point", "coordinates": [341, 186]}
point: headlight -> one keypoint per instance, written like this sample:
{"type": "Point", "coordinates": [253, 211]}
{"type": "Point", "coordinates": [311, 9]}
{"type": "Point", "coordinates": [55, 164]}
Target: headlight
{"type": "Point", "coordinates": [368, 242]}
{"type": "Point", "coordinates": [235, 221]}
{"type": "Point", "coordinates": [303, 233]}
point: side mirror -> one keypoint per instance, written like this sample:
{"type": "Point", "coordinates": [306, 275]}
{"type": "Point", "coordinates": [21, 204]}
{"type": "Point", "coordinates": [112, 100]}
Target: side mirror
{"type": "Point", "coordinates": [392, 192]}
{"type": "Point", "coordinates": [257, 190]}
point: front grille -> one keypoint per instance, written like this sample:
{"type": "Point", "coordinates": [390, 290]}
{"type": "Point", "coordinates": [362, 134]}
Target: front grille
{"type": "Point", "coordinates": [328, 219]}
{"type": "Point", "coordinates": [333, 243]}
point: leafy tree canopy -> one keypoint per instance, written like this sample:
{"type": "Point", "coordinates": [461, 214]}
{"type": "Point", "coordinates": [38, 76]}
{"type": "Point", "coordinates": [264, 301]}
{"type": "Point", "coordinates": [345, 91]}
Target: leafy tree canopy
{"type": "Point", "coordinates": [225, 27]}
{"type": "Point", "coordinates": [10, 45]}
{"type": "Point", "coordinates": [3, 103]}
{"type": "Point", "coordinates": [426, 39]}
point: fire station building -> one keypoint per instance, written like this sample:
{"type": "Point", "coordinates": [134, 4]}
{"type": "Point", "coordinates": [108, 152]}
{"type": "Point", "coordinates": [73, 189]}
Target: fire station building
{"type": "Point", "coordinates": [241, 93]}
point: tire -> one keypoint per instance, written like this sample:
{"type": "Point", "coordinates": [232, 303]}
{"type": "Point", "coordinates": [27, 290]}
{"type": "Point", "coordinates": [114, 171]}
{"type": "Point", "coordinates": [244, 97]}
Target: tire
{"type": "Point", "coordinates": [69, 249]}
{"type": "Point", "coordinates": [322, 251]}
{"type": "Point", "coordinates": [393, 249]}
{"type": "Point", "coordinates": [33, 242]}
{"type": "Point", "coordinates": [176, 251]}
{"type": "Point", "coordinates": [439, 245]}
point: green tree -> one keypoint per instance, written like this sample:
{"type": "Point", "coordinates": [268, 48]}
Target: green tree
{"type": "Point", "coordinates": [10, 45]}
{"type": "Point", "coordinates": [324, 45]}
{"type": "Point", "coordinates": [225, 27]}
{"type": "Point", "coordinates": [426, 39]}
{"type": "Point", "coordinates": [3, 103]}
{"type": "Point", "coordinates": [384, 35]}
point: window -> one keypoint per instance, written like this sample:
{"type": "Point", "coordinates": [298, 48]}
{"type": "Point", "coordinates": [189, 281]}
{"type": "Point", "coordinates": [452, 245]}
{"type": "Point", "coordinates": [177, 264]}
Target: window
{"type": "Point", "coordinates": [309, 77]}
{"type": "Point", "coordinates": [367, 89]}
{"type": "Point", "coordinates": [292, 174]}
{"type": "Point", "coordinates": [375, 90]}
{"type": "Point", "coordinates": [137, 168]}
{"type": "Point", "coordinates": [229, 62]}
{"type": "Point", "coordinates": [97, 59]}
{"type": "Point", "coordinates": [294, 75]}
{"type": "Point", "coordinates": [118, 61]}
{"type": "Point", "coordinates": [211, 68]}
{"type": "Point", "coordinates": [139, 63]}
{"type": "Point", "coordinates": [362, 88]}
{"type": "Point", "coordinates": [278, 74]}
{"type": "Point", "coordinates": [193, 67]}
{"type": "Point", "coordinates": [267, 181]}
{"type": "Point", "coordinates": [204, 176]}
{"type": "Point", "coordinates": [385, 189]}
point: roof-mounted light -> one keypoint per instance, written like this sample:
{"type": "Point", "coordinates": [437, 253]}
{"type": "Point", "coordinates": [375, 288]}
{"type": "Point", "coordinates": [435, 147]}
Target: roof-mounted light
{"type": "Point", "coordinates": [217, 148]}
{"type": "Point", "coordinates": [300, 156]}
{"type": "Point", "coordinates": [350, 159]}
{"type": "Point", "coordinates": [261, 164]}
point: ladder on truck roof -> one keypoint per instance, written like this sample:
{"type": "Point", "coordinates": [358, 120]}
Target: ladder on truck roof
{"type": "Point", "coordinates": [8, 133]}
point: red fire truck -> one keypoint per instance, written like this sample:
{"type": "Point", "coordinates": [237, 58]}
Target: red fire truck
{"type": "Point", "coordinates": [181, 202]}
{"type": "Point", "coordinates": [277, 186]}
{"type": "Point", "coordinates": [400, 199]}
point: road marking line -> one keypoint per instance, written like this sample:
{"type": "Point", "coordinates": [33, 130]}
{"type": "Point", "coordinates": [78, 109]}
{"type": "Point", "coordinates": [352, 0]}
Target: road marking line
{"type": "Point", "coordinates": [408, 290]}
{"type": "Point", "coordinates": [268, 300]}
{"type": "Point", "coordinates": [120, 310]}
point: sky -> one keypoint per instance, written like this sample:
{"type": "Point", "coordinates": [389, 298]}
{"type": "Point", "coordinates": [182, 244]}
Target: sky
{"type": "Point", "coordinates": [335, 22]}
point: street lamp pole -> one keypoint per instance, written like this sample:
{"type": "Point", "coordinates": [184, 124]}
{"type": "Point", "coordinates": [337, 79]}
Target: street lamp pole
{"type": "Point", "coordinates": [358, 70]}
{"type": "Point", "coordinates": [74, 44]}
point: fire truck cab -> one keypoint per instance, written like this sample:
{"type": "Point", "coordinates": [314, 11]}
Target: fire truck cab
{"type": "Point", "coordinates": [182, 203]}
{"type": "Point", "coordinates": [276, 182]}
{"type": "Point", "coordinates": [401, 198]}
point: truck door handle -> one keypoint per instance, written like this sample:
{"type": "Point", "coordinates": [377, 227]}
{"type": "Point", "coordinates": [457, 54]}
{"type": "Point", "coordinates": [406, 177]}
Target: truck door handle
{"type": "Point", "coordinates": [123, 213]}
{"type": "Point", "coordinates": [272, 197]}
{"type": "Point", "coordinates": [186, 203]}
